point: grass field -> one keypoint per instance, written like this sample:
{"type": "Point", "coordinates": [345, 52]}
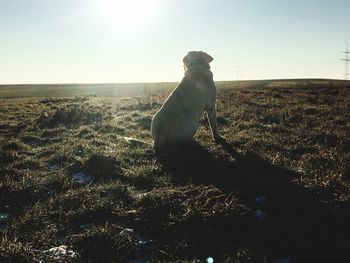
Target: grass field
{"type": "Point", "coordinates": [278, 191]}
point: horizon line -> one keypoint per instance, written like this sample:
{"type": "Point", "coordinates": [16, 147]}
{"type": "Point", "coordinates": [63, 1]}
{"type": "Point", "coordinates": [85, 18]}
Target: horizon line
{"type": "Point", "coordinates": [155, 82]}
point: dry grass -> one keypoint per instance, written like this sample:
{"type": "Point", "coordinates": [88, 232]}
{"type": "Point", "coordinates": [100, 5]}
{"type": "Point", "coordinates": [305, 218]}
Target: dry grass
{"type": "Point", "coordinates": [278, 189]}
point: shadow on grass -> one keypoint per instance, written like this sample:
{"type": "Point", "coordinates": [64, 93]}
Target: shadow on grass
{"type": "Point", "coordinates": [284, 220]}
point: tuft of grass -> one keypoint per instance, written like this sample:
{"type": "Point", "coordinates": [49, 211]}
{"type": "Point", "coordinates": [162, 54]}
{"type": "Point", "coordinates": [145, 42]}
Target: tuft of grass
{"type": "Point", "coordinates": [104, 244]}
{"type": "Point", "coordinates": [14, 252]}
{"type": "Point", "coordinates": [14, 145]}
{"type": "Point", "coordinates": [99, 166]}
{"type": "Point", "coordinates": [70, 115]}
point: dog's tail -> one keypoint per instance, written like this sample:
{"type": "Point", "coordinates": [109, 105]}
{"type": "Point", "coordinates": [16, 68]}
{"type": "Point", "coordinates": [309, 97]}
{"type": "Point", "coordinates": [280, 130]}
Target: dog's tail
{"type": "Point", "coordinates": [135, 142]}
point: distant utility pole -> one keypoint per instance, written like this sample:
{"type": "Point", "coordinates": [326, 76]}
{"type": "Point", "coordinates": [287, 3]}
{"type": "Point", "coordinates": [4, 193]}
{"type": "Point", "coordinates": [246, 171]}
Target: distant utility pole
{"type": "Point", "coordinates": [346, 60]}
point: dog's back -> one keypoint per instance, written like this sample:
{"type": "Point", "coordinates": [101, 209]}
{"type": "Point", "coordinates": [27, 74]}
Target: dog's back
{"type": "Point", "coordinates": [172, 123]}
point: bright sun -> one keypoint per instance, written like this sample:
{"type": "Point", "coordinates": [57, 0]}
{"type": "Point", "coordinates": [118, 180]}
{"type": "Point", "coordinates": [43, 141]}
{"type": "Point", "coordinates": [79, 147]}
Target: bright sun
{"type": "Point", "coordinates": [123, 13]}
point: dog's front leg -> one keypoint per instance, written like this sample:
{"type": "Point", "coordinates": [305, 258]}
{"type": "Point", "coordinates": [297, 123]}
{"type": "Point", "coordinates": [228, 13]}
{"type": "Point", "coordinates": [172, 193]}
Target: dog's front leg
{"type": "Point", "coordinates": [211, 115]}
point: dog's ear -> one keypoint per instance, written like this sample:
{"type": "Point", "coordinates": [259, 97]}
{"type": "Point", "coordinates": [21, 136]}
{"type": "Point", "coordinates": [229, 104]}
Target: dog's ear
{"type": "Point", "coordinates": [210, 58]}
{"type": "Point", "coordinates": [207, 57]}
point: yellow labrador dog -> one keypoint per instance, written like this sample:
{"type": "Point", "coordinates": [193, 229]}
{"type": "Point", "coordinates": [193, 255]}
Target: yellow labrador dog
{"type": "Point", "coordinates": [177, 119]}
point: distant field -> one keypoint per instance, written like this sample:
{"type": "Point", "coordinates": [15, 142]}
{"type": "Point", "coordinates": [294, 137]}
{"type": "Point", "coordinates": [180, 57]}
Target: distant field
{"type": "Point", "coordinates": [71, 90]}
{"type": "Point", "coordinates": [278, 191]}
{"type": "Point", "coordinates": [135, 89]}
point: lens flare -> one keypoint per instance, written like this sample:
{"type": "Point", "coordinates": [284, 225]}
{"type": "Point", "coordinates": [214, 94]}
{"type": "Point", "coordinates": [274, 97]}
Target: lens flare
{"type": "Point", "coordinates": [122, 13]}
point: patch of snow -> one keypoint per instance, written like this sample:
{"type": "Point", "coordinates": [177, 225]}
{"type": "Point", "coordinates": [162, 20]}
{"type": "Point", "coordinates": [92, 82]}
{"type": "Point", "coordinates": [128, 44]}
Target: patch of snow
{"type": "Point", "coordinates": [60, 252]}
{"type": "Point", "coordinates": [81, 178]}
{"type": "Point", "coordinates": [260, 214]}
{"type": "Point", "coordinates": [4, 217]}
{"type": "Point", "coordinates": [127, 233]}
{"type": "Point", "coordinates": [52, 166]}
{"type": "Point", "coordinates": [86, 226]}
{"type": "Point", "coordinates": [144, 246]}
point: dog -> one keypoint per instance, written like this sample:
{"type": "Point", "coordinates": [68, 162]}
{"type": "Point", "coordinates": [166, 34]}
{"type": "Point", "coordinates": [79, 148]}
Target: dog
{"type": "Point", "coordinates": [177, 119]}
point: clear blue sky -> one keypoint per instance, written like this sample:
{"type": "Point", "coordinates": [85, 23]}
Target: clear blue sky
{"type": "Point", "coordinates": [47, 41]}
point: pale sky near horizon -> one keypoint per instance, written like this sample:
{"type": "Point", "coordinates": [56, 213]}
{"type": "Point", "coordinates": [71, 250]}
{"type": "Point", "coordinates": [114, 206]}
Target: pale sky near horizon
{"type": "Point", "coordinates": [68, 41]}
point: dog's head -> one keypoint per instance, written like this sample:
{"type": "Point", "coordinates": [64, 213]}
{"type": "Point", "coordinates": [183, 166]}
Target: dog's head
{"type": "Point", "coordinates": [196, 58]}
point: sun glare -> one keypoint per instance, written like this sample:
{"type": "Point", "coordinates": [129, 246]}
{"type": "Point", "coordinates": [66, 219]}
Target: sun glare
{"type": "Point", "coordinates": [122, 14]}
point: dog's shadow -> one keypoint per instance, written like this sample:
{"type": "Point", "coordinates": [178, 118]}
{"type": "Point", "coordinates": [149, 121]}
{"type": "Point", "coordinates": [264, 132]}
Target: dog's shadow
{"type": "Point", "coordinates": [294, 221]}
{"type": "Point", "coordinates": [244, 172]}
